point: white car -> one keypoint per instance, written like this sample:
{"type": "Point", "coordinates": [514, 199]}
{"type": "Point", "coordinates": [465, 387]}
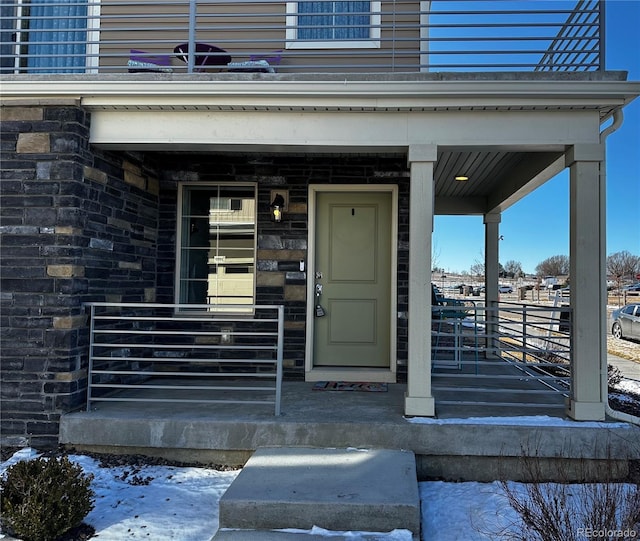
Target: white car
{"type": "Point", "coordinates": [505, 289]}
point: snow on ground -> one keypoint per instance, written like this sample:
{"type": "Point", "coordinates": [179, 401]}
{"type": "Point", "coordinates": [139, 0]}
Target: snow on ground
{"type": "Point", "coordinates": [154, 502]}
{"type": "Point", "coordinates": [163, 503]}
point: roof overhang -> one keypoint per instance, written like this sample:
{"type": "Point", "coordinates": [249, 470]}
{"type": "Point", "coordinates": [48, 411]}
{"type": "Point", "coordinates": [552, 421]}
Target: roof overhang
{"type": "Point", "coordinates": [334, 92]}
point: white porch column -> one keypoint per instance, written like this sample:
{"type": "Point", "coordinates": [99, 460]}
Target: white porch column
{"type": "Point", "coordinates": [419, 400]}
{"type": "Point", "coordinates": [492, 256]}
{"type": "Point", "coordinates": [492, 276]}
{"type": "Point", "coordinates": [587, 246]}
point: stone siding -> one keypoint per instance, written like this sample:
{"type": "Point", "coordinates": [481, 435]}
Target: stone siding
{"type": "Point", "coordinates": [82, 224]}
{"type": "Point", "coordinates": [73, 228]}
{"type": "Point", "coordinates": [282, 245]}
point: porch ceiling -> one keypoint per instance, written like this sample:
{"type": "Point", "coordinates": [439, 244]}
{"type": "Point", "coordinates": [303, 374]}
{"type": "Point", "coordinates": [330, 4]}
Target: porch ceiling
{"type": "Point", "coordinates": [497, 178]}
{"type": "Point", "coordinates": [501, 169]}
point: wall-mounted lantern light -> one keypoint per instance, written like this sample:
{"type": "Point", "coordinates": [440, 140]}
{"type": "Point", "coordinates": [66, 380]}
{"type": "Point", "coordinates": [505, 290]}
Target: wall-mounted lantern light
{"type": "Point", "coordinates": [278, 204]}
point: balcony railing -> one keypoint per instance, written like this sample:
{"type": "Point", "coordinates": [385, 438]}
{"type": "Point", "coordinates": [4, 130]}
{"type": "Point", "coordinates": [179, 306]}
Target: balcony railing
{"type": "Point", "coordinates": [185, 36]}
{"type": "Point", "coordinates": [179, 353]}
{"type": "Point", "coordinates": [506, 356]}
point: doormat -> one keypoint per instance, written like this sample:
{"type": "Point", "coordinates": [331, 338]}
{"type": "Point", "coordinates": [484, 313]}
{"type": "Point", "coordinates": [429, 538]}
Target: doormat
{"type": "Point", "coordinates": [350, 386]}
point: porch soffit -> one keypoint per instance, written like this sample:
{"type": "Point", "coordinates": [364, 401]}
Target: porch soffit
{"type": "Point", "coordinates": [503, 165]}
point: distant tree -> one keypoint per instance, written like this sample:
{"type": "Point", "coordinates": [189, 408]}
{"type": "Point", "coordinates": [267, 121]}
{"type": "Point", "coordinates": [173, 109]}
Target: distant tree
{"type": "Point", "coordinates": [623, 265]}
{"type": "Point", "coordinates": [477, 269]}
{"type": "Point", "coordinates": [553, 266]}
{"type": "Point", "coordinates": [513, 269]}
{"type": "Point", "coordinates": [435, 258]}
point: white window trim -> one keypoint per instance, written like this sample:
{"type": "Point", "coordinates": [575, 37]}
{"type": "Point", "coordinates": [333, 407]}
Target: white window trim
{"type": "Point", "coordinates": [292, 41]}
{"type": "Point", "coordinates": [93, 37]}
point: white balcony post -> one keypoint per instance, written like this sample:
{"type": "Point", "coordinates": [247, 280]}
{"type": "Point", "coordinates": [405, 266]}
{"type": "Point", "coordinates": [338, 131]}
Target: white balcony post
{"type": "Point", "coordinates": [419, 400]}
{"type": "Point", "coordinates": [491, 277]}
{"type": "Point", "coordinates": [588, 282]}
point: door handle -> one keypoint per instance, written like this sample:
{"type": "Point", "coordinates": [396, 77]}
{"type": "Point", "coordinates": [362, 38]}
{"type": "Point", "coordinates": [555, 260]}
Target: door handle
{"type": "Point", "coordinates": [319, 310]}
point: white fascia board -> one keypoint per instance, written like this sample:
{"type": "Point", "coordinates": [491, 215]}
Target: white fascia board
{"type": "Point", "coordinates": [327, 130]}
{"type": "Point", "coordinates": [376, 94]}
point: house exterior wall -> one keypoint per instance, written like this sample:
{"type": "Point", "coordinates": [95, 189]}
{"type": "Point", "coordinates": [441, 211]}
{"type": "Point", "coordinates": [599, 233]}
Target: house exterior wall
{"type": "Point", "coordinates": [281, 246]}
{"type": "Point", "coordinates": [77, 225]}
{"type": "Point", "coordinates": [82, 224]}
{"type": "Point", "coordinates": [253, 28]}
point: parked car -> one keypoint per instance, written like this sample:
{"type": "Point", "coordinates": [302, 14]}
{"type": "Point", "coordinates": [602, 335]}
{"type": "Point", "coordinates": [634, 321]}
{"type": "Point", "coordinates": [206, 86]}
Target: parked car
{"type": "Point", "coordinates": [505, 289]}
{"type": "Point", "coordinates": [626, 322]}
{"type": "Point", "coordinates": [632, 287]}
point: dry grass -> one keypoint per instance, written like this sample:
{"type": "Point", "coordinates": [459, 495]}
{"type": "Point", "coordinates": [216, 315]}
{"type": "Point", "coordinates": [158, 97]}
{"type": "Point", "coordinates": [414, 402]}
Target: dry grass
{"type": "Point", "coordinates": [625, 349]}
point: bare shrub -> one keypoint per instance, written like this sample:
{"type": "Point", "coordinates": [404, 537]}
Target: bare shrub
{"type": "Point", "coordinates": [44, 498]}
{"type": "Point", "coordinates": [614, 376]}
{"type": "Point", "coordinates": [570, 511]}
{"type": "Point", "coordinates": [573, 512]}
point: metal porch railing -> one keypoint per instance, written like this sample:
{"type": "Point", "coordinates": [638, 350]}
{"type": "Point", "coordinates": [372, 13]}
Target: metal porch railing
{"type": "Point", "coordinates": [104, 36]}
{"type": "Point", "coordinates": [509, 355]}
{"type": "Point", "coordinates": [143, 352]}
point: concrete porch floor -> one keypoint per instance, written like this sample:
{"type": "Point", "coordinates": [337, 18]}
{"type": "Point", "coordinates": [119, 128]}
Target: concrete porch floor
{"type": "Point", "coordinates": [475, 442]}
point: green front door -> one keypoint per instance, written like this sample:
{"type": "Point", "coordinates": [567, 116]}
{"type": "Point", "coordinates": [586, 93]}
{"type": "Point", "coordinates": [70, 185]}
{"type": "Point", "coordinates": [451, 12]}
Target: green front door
{"type": "Point", "coordinates": [352, 326]}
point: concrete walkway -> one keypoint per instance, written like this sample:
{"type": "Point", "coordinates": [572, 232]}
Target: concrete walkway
{"type": "Point", "coordinates": [629, 369]}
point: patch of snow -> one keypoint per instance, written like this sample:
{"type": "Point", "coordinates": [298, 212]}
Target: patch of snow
{"type": "Point", "coordinates": [394, 535]}
{"type": "Point", "coordinates": [155, 502]}
{"type": "Point", "coordinates": [531, 420]}
{"type": "Point", "coordinates": [629, 386]}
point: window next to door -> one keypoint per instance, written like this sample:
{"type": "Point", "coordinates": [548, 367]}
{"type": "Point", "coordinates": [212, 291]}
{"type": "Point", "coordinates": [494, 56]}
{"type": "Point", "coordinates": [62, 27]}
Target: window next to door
{"type": "Point", "coordinates": [333, 25]}
{"type": "Point", "coordinates": [216, 249]}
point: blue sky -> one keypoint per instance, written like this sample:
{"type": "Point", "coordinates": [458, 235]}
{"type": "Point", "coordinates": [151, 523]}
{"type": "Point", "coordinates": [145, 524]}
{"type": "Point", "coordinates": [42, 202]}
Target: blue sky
{"type": "Point", "coordinates": [537, 227]}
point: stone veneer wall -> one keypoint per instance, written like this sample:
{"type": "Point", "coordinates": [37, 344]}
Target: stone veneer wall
{"type": "Point", "coordinates": [76, 225]}
{"type": "Point", "coordinates": [79, 224]}
{"type": "Point", "coordinates": [281, 246]}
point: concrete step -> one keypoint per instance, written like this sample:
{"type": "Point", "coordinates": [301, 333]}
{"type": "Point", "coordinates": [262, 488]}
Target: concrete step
{"type": "Point", "coordinates": [373, 490]}
{"type": "Point", "coordinates": [263, 535]}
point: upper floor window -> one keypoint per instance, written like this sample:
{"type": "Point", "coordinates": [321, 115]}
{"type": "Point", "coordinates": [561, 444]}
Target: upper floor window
{"type": "Point", "coordinates": [216, 245]}
{"type": "Point", "coordinates": [328, 24]}
{"type": "Point", "coordinates": [48, 36]}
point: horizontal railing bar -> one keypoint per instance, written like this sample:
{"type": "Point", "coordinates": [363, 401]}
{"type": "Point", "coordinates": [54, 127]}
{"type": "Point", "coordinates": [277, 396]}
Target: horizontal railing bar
{"type": "Point", "coordinates": [185, 317]}
{"type": "Point", "coordinates": [188, 346]}
{"type": "Point", "coordinates": [178, 387]}
{"type": "Point", "coordinates": [261, 307]}
{"type": "Point", "coordinates": [183, 332]}
{"type": "Point", "coordinates": [177, 373]}
{"type": "Point", "coordinates": [185, 360]}
{"type": "Point", "coordinates": [181, 400]}
{"type": "Point", "coordinates": [514, 405]}
{"type": "Point", "coordinates": [262, 375]}
{"type": "Point", "coordinates": [498, 391]}
{"type": "Point", "coordinates": [492, 376]}
{"type": "Point", "coordinates": [512, 363]}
